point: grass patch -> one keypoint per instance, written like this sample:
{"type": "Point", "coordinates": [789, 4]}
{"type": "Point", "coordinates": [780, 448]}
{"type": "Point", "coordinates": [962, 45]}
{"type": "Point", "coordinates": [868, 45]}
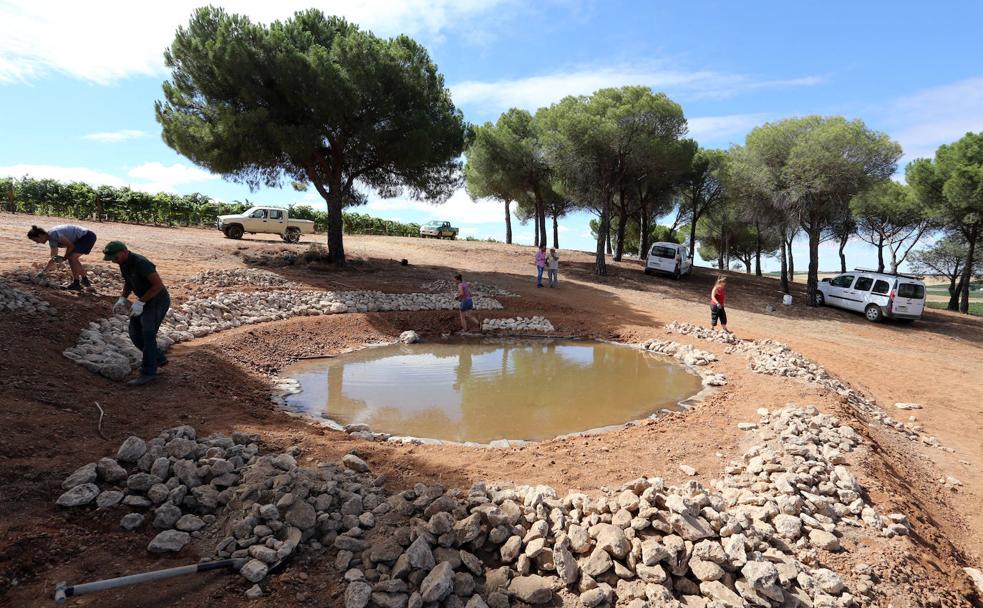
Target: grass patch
{"type": "Point", "coordinates": [975, 308]}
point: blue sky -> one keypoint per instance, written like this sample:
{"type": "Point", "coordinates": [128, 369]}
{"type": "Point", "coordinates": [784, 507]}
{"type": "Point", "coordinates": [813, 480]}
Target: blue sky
{"type": "Point", "coordinates": [78, 80]}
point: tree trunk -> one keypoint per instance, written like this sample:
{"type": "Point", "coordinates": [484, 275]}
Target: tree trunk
{"type": "Point", "coordinates": [556, 233]}
{"type": "Point", "coordinates": [784, 275]}
{"type": "Point", "coordinates": [508, 224]}
{"type": "Point", "coordinates": [894, 259]}
{"type": "Point", "coordinates": [813, 279]}
{"type": "Point", "coordinates": [747, 265]}
{"type": "Point", "coordinates": [791, 260]}
{"type": "Point", "coordinates": [607, 234]}
{"type": "Point", "coordinates": [692, 235]}
{"type": "Point", "coordinates": [757, 249]}
{"type": "Point", "coordinates": [880, 254]}
{"type": "Point", "coordinates": [336, 247]}
{"type": "Point", "coordinates": [542, 226]}
{"type": "Point", "coordinates": [971, 238]}
{"type": "Point", "coordinates": [643, 233]}
{"type": "Point", "coordinates": [620, 237]}
{"type": "Point", "coordinates": [600, 268]}
{"type": "Point", "coordinates": [954, 291]}
{"type": "Point", "coordinates": [535, 240]}
{"type": "Point", "coordinates": [843, 241]}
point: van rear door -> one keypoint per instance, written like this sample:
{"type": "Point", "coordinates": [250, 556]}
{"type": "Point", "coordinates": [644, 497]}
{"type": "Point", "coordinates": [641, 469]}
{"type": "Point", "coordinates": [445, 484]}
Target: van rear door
{"type": "Point", "coordinates": [909, 299]}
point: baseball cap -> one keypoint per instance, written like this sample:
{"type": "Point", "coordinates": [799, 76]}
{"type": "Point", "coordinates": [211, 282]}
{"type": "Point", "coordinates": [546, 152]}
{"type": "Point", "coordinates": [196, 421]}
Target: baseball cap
{"type": "Point", "coordinates": [111, 249]}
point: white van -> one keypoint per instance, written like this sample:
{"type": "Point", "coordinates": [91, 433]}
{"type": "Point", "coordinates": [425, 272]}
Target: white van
{"type": "Point", "coordinates": [878, 295]}
{"type": "Point", "coordinates": [669, 258]}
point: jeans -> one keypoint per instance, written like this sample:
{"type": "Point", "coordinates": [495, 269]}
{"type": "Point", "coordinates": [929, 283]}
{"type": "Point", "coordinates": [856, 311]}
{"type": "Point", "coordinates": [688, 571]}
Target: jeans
{"type": "Point", "coordinates": [551, 273]}
{"type": "Point", "coordinates": [143, 332]}
{"type": "Point", "coordinates": [539, 276]}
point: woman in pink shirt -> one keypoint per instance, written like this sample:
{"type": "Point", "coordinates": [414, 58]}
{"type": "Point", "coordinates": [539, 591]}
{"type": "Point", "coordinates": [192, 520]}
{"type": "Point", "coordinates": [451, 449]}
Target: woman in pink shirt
{"type": "Point", "coordinates": [540, 265]}
{"type": "Point", "coordinates": [717, 296]}
{"type": "Point", "coordinates": [467, 304]}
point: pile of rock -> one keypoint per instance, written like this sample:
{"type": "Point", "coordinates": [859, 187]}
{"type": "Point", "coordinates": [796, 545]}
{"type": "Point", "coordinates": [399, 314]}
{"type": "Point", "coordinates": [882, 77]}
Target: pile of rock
{"type": "Point", "coordinates": [777, 359]}
{"type": "Point", "coordinates": [442, 285]}
{"type": "Point", "coordinates": [101, 276]}
{"type": "Point", "coordinates": [21, 302]}
{"type": "Point", "coordinates": [711, 335]}
{"type": "Point", "coordinates": [176, 480]}
{"type": "Point", "coordinates": [240, 277]}
{"type": "Point", "coordinates": [756, 543]}
{"type": "Point", "coordinates": [104, 346]}
{"type": "Point", "coordinates": [518, 324]}
{"type": "Point", "coordinates": [683, 352]}
{"type": "Point", "coordinates": [281, 506]}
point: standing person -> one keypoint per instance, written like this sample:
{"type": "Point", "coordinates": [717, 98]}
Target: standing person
{"type": "Point", "coordinates": [147, 313]}
{"type": "Point", "coordinates": [554, 265]}
{"type": "Point", "coordinates": [76, 240]}
{"type": "Point", "coordinates": [467, 304]}
{"type": "Point", "coordinates": [540, 265]}
{"type": "Point", "coordinates": [717, 296]}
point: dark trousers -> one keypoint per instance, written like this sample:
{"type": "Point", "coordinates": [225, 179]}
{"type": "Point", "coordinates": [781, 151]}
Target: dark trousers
{"type": "Point", "coordinates": [143, 332]}
{"type": "Point", "coordinates": [717, 312]}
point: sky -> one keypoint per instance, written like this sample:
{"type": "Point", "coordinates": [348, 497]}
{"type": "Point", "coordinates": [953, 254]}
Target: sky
{"type": "Point", "coordinates": [78, 80]}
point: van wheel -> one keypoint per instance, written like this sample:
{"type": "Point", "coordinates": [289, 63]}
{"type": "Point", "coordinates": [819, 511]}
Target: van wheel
{"type": "Point", "coordinates": [873, 313]}
{"type": "Point", "coordinates": [820, 299]}
{"type": "Point", "coordinates": [648, 271]}
{"type": "Point", "coordinates": [292, 235]}
{"type": "Point", "coordinates": [234, 231]}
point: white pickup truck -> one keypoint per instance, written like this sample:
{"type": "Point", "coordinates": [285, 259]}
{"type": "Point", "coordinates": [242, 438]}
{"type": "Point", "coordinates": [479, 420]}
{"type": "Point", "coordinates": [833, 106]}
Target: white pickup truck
{"type": "Point", "coordinates": [264, 220]}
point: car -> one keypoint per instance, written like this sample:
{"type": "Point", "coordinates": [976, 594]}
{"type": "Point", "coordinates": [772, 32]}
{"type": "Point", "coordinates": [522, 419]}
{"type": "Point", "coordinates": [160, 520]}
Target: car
{"type": "Point", "coordinates": [669, 258]}
{"type": "Point", "coordinates": [438, 230]}
{"type": "Point", "coordinates": [879, 295]}
{"type": "Point", "coordinates": [264, 220]}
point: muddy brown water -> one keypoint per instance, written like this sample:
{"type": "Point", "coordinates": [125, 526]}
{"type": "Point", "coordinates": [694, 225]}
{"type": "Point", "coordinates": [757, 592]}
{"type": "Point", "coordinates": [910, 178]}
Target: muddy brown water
{"type": "Point", "coordinates": [487, 389]}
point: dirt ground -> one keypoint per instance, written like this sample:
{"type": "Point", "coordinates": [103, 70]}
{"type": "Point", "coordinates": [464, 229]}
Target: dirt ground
{"type": "Point", "coordinates": [221, 383]}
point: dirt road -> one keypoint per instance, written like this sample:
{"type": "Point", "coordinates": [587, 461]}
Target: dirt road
{"type": "Point", "coordinates": [221, 383]}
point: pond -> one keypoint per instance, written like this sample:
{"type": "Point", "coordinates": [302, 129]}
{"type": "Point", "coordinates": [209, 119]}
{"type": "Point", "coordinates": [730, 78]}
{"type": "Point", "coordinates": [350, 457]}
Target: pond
{"type": "Point", "coordinates": [486, 389]}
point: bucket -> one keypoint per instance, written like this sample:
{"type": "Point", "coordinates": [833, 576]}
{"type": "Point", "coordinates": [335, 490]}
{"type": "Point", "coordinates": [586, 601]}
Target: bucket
{"type": "Point", "coordinates": [787, 300]}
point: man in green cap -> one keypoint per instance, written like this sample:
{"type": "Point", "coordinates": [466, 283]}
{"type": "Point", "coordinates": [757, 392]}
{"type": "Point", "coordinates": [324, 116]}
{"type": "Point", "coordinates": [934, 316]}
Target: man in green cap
{"type": "Point", "coordinates": [147, 313]}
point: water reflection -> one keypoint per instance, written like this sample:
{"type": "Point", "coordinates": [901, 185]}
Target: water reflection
{"type": "Point", "coordinates": [486, 390]}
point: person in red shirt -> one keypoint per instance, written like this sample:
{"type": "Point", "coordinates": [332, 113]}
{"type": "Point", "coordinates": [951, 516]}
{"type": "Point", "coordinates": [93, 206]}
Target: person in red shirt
{"type": "Point", "coordinates": [717, 296]}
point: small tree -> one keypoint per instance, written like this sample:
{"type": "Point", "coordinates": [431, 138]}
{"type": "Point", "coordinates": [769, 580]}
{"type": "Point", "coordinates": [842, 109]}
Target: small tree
{"type": "Point", "coordinates": [946, 258]}
{"type": "Point", "coordinates": [952, 187]}
{"type": "Point", "coordinates": [311, 100]}
{"type": "Point", "coordinates": [887, 215]}
{"type": "Point", "coordinates": [489, 173]}
{"type": "Point", "coordinates": [593, 144]}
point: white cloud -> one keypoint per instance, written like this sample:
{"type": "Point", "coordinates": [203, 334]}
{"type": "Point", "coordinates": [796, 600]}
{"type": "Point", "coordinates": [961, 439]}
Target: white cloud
{"type": "Point", "coordinates": [108, 40]}
{"type": "Point", "coordinates": [111, 137]}
{"type": "Point", "coordinates": [148, 177]}
{"type": "Point", "coordinates": [539, 91]}
{"type": "Point", "coordinates": [939, 115]}
{"type": "Point", "coordinates": [62, 174]}
{"type": "Point", "coordinates": [156, 177]}
{"type": "Point", "coordinates": [723, 129]}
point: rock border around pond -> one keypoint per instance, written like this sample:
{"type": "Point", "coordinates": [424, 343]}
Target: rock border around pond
{"type": "Point", "coordinates": [105, 347]}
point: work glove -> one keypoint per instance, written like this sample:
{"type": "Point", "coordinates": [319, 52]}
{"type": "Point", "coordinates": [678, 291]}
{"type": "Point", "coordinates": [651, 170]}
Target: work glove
{"type": "Point", "coordinates": [136, 309]}
{"type": "Point", "coordinates": [120, 306]}
{"type": "Point", "coordinates": [58, 259]}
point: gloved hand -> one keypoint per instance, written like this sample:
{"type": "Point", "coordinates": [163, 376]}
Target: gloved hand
{"type": "Point", "coordinates": [120, 306]}
{"type": "Point", "coordinates": [57, 258]}
{"type": "Point", "coordinates": [136, 309]}
{"type": "Point", "coordinates": [39, 276]}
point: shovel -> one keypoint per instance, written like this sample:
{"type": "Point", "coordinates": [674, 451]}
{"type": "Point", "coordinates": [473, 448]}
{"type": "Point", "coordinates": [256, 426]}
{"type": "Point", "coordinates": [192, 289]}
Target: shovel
{"type": "Point", "coordinates": [64, 591]}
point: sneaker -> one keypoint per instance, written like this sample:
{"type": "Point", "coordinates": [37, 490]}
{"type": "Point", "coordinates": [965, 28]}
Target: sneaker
{"type": "Point", "coordinates": [86, 282]}
{"type": "Point", "coordinates": [74, 286]}
{"type": "Point", "coordinates": [141, 380]}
